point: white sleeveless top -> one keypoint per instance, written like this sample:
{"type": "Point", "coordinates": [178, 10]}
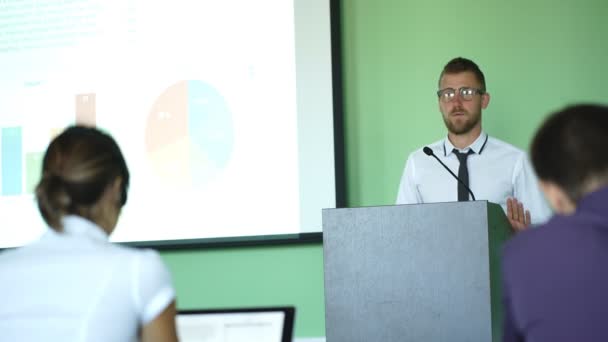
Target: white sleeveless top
{"type": "Point", "coordinates": [77, 286]}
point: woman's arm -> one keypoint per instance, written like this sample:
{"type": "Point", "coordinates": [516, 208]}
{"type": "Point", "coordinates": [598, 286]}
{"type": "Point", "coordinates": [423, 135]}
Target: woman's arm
{"type": "Point", "coordinates": [162, 328]}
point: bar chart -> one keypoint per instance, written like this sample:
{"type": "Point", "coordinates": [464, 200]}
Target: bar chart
{"type": "Point", "coordinates": [20, 167]}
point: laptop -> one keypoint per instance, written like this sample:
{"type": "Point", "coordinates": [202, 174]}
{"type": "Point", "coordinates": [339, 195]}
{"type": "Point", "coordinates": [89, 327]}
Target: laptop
{"type": "Point", "coordinates": [256, 324]}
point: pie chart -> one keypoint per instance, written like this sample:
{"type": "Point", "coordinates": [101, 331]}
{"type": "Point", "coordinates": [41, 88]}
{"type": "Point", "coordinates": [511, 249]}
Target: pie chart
{"type": "Point", "coordinates": [189, 134]}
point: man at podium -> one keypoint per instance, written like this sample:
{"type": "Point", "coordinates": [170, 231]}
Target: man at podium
{"type": "Point", "coordinates": [488, 168]}
{"type": "Point", "coordinates": [554, 277]}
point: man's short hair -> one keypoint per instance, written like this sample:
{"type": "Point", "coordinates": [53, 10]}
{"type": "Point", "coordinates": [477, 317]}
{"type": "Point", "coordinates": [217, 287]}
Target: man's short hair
{"type": "Point", "coordinates": [460, 64]}
{"type": "Point", "coordinates": [569, 149]}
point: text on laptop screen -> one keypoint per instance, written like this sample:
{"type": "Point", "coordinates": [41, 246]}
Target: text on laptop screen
{"type": "Point", "coordinates": [231, 327]}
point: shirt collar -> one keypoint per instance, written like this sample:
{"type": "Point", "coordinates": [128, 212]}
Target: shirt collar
{"type": "Point", "coordinates": [477, 146]}
{"type": "Point", "coordinates": [79, 226]}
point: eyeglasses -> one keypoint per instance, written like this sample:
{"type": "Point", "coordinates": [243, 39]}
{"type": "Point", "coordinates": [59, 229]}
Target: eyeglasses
{"type": "Point", "coordinates": [466, 93]}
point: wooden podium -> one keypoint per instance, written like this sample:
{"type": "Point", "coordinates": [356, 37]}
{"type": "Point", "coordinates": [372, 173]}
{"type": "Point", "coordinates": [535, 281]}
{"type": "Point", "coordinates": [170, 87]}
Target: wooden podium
{"type": "Point", "coordinates": [425, 272]}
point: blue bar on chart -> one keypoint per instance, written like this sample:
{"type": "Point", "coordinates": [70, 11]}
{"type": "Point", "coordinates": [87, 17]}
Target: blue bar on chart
{"type": "Point", "coordinates": [12, 161]}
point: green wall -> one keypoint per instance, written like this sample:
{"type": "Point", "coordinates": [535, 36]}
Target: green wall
{"type": "Point", "coordinates": [253, 276]}
{"type": "Point", "coordinates": [537, 55]}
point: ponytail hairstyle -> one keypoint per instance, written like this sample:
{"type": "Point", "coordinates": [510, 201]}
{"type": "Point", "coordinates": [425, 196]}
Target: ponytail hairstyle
{"type": "Point", "coordinates": [78, 166]}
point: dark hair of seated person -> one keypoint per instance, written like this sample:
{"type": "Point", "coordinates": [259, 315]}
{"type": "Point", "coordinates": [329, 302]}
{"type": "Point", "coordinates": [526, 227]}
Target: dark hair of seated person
{"type": "Point", "coordinates": [569, 149]}
{"type": "Point", "coordinates": [78, 166]}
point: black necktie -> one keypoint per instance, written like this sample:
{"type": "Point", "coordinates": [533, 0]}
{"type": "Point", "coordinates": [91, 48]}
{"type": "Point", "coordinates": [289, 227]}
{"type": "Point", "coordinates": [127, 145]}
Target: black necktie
{"type": "Point", "coordinates": [463, 174]}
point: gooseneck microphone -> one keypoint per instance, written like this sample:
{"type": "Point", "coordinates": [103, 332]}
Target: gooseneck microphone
{"type": "Point", "coordinates": [427, 150]}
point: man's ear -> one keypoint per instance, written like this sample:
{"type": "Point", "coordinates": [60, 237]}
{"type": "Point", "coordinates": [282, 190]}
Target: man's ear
{"type": "Point", "coordinates": [485, 100]}
{"type": "Point", "coordinates": [558, 198]}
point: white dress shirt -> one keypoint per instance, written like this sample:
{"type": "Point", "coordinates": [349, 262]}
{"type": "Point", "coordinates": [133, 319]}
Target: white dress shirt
{"type": "Point", "coordinates": [497, 170]}
{"type": "Point", "coordinates": [76, 286]}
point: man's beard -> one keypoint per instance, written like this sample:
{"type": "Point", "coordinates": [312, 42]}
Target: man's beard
{"type": "Point", "coordinates": [463, 126]}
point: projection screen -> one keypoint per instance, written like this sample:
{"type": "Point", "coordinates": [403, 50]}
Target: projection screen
{"type": "Point", "coordinates": [224, 110]}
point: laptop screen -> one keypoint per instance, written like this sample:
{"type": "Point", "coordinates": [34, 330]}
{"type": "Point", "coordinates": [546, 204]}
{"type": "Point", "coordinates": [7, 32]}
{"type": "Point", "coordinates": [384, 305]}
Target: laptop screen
{"type": "Point", "coordinates": [273, 324]}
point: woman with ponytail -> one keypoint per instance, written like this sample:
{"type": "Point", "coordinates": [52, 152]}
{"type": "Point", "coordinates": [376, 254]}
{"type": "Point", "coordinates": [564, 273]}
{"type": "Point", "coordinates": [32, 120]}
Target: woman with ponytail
{"type": "Point", "coordinates": [72, 284]}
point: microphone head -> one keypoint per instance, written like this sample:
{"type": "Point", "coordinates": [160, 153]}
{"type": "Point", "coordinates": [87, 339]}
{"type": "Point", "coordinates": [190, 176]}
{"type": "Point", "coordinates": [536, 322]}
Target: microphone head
{"type": "Point", "coordinates": [427, 150]}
